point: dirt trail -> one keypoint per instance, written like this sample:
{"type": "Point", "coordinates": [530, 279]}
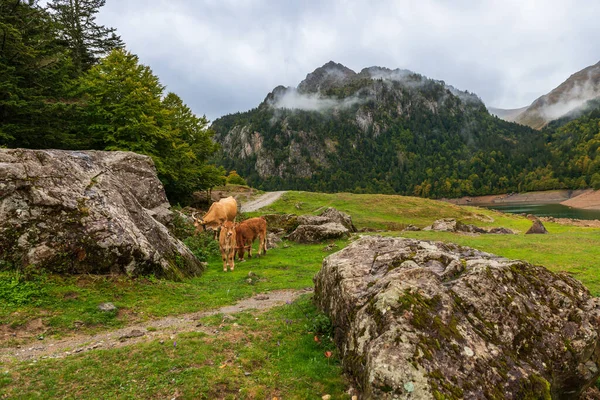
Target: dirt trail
{"type": "Point", "coordinates": [164, 328]}
{"type": "Point", "coordinates": [262, 201]}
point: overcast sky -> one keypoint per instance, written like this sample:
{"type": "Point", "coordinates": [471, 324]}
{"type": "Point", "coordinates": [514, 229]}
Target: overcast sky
{"type": "Point", "coordinates": [224, 56]}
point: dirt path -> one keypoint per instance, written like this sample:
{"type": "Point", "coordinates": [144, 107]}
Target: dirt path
{"type": "Point", "coordinates": [262, 201]}
{"type": "Point", "coordinates": [164, 329]}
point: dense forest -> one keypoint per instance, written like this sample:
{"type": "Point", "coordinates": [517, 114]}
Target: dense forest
{"type": "Point", "coordinates": [421, 137]}
{"type": "Point", "coordinates": [68, 83]}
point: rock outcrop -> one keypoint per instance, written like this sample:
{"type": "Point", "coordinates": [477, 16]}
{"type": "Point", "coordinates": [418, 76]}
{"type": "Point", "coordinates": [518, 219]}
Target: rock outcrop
{"type": "Point", "coordinates": [87, 212]}
{"type": "Point", "coordinates": [425, 320]}
{"type": "Point", "coordinates": [537, 228]}
{"type": "Point", "coordinates": [331, 224]}
{"type": "Point", "coordinates": [318, 233]}
{"type": "Point", "coordinates": [452, 225]}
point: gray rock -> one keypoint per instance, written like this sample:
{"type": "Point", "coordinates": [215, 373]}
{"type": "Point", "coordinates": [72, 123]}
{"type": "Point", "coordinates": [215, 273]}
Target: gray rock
{"type": "Point", "coordinates": [272, 241]}
{"type": "Point", "coordinates": [319, 233]}
{"type": "Point", "coordinates": [452, 225]}
{"type": "Point", "coordinates": [285, 222]}
{"type": "Point", "coordinates": [501, 231]}
{"type": "Point", "coordinates": [331, 224]}
{"type": "Point", "coordinates": [87, 212]}
{"type": "Point", "coordinates": [411, 228]}
{"type": "Point", "coordinates": [107, 307]}
{"type": "Point", "coordinates": [334, 215]}
{"type": "Point", "coordinates": [313, 220]}
{"type": "Point", "coordinates": [423, 320]}
{"type": "Point", "coordinates": [537, 228]}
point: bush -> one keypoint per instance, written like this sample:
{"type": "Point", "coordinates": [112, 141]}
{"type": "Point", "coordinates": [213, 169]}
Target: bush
{"type": "Point", "coordinates": [202, 245]}
{"type": "Point", "coordinates": [234, 179]}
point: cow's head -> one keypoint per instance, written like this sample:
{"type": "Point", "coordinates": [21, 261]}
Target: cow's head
{"type": "Point", "coordinates": [229, 228]}
{"type": "Point", "coordinates": [199, 223]}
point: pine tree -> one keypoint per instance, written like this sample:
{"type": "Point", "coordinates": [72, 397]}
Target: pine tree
{"type": "Point", "coordinates": [87, 40]}
{"type": "Point", "coordinates": [34, 77]}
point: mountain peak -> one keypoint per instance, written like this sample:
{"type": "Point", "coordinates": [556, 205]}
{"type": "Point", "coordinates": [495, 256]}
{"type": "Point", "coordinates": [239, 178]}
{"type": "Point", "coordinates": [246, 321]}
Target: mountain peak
{"type": "Point", "coordinates": [570, 95]}
{"type": "Point", "coordinates": [331, 74]}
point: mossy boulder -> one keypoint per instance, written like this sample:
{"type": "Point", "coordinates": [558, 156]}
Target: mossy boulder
{"type": "Point", "coordinates": [87, 212]}
{"type": "Point", "coordinates": [428, 320]}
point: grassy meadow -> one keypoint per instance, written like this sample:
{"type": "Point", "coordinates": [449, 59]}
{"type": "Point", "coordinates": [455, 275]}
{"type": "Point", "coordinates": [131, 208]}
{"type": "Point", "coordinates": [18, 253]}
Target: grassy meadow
{"type": "Point", "coordinates": [255, 355]}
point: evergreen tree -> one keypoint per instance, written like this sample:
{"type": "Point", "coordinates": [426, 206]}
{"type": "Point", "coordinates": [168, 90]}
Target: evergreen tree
{"type": "Point", "coordinates": [87, 40]}
{"type": "Point", "coordinates": [125, 110]}
{"type": "Point", "coordinates": [34, 71]}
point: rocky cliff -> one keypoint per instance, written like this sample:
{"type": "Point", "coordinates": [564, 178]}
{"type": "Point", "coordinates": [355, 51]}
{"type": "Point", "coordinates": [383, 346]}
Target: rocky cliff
{"type": "Point", "coordinates": [428, 320]}
{"type": "Point", "coordinates": [87, 212]}
{"type": "Point", "coordinates": [378, 130]}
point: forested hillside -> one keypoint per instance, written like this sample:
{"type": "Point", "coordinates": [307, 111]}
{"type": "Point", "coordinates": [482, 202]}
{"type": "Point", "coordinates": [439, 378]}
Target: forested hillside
{"type": "Point", "coordinates": [68, 83]}
{"type": "Point", "coordinates": [384, 131]}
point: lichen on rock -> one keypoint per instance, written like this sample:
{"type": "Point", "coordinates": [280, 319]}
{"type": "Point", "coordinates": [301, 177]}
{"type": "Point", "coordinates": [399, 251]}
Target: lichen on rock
{"type": "Point", "coordinates": [87, 212]}
{"type": "Point", "coordinates": [453, 322]}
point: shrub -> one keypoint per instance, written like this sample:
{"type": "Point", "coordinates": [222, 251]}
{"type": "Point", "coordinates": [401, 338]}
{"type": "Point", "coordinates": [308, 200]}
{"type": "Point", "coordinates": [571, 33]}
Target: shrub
{"type": "Point", "coordinates": [202, 245]}
{"type": "Point", "coordinates": [234, 179]}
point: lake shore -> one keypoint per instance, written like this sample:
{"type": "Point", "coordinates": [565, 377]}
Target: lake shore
{"type": "Point", "coordinates": [584, 199]}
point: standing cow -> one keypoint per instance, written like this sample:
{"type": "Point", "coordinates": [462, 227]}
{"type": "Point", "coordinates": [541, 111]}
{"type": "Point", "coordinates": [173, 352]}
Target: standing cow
{"type": "Point", "coordinates": [219, 212]}
{"type": "Point", "coordinates": [247, 231]}
{"type": "Point", "coordinates": [227, 244]}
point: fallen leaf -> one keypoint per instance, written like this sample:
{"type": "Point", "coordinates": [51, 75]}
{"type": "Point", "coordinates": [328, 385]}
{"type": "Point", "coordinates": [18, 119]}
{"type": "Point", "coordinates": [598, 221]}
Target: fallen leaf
{"type": "Point", "coordinates": [317, 339]}
{"type": "Point", "coordinates": [328, 354]}
{"type": "Point", "coordinates": [222, 366]}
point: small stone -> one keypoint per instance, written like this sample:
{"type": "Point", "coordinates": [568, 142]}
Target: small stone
{"type": "Point", "coordinates": [409, 387]}
{"type": "Point", "coordinates": [326, 397]}
{"type": "Point", "coordinates": [261, 297]}
{"type": "Point", "coordinates": [469, 352]}
{"type": "Point", "coordinates": [107, 307]}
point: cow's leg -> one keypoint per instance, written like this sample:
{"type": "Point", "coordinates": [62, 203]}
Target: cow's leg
{"type": "Point", "coordinates": [231, 259]}
{"type": "Point", "coordinates": [250, 248]}
{"type": "Point", "coordinates": [224, 257]}
{"type": "Point", "coordinates": [262, 246]}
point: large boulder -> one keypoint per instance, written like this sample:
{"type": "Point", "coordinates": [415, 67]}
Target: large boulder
{"type": "Point", "coordinates": [281, 222]}
{"type": "Point", "coordinates": [537, 228]}
{"type": "Point", "coordinates": [87, 212]}
{"type": "Point", "coordinates": [334, 215]}
{"type": "Point", "coordinates": [452, 225]}
{"type": "Point", "coordinates": [331, 224]}
{"type": "Point", "coordinates": [428, 320]}
{"type": "Point", "coordinates": [319, 233]}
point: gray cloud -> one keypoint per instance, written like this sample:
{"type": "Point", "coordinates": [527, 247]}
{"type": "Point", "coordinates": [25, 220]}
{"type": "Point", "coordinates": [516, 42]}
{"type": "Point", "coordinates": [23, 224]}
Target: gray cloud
{"type": "Point", "coordinates": [223, 56]}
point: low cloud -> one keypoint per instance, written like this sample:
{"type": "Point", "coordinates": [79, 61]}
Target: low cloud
{"type": "Point", "coordinates": [293, 100]}
{"type": "Point", "coordinates": [571, 99]}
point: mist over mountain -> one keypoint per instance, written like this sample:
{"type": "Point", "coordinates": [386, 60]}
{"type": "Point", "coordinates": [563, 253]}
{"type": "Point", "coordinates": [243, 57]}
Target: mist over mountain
{"type": "Point", "coordinates": [378, 130]}
{"type": "Point", "coordinates": [569, 96]}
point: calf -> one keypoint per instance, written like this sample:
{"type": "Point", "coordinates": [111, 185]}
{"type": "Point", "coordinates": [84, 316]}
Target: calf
{"type": "Point", "coordinates": [227, 244]}
{"type": "Point", "coordinates": [249, 230]}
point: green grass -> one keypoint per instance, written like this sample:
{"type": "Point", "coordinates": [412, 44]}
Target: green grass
{"type": "Point", "coordinates": [376, 210]}
{"type": "Point", "coordinates": [64, 303]}
{"type": "Point", "coordinates": [262, 356]}
{"type": "Point", "coordinates": [276, 349]}
{"type": "Point", "coordinates": [567, 248]}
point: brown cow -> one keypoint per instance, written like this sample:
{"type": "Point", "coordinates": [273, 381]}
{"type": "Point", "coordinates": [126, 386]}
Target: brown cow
{"type": "Point", "coordinates": [219, 212]}
{"type": "Point", "coordinates": [247, 231]}
{"type": "Point", "coordinates": [227, 244]}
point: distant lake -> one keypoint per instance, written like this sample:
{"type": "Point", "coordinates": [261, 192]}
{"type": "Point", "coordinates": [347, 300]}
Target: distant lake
{"type": "Point", "coordinates": [545, 210]}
